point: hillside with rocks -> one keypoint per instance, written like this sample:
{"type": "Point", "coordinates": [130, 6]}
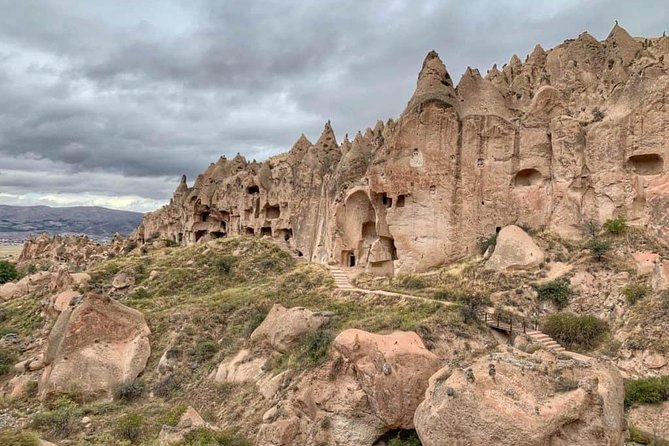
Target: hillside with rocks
{"type": "Point", "coordinates": [19, 222]}
{"type": "Point", "coordinates": [491, 268]}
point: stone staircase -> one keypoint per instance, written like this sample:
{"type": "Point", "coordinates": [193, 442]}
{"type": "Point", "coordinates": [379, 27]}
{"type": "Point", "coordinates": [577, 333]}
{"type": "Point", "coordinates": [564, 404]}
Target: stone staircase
{"type": "Point", "coordinates": [549, 343]}
{"type": "Point", "coordinates": [341, 279]}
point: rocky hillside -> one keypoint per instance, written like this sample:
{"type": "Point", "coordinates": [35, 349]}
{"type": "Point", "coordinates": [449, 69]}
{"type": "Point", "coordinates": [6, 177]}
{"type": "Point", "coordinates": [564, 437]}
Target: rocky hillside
{"type": "Point", "coordinates": [100, 223]}
{"type": "Point", "coordinates": [237, 342]}
{"type": "Point", "coordinates": [572, 134]}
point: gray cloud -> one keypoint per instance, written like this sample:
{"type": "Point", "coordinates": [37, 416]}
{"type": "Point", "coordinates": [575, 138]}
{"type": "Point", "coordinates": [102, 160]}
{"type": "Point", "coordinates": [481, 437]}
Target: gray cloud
{"type": "Point", "coordinates": [119, 98]}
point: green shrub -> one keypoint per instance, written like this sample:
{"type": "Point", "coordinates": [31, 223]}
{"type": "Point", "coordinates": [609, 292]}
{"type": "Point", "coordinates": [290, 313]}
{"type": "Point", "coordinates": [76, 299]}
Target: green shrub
{"type": "Point", "coordinates": [8, 272]}
{"type": "Point", "coordinates": [651, 390]}
{"type": "Point", "coordinates": [129, 247]}
{"type": "Point", "coordinates": [316, 346]}
{"type": "Point", "coordinates": [402, 438]}
{"type": "Point", "coordinates": [59, 422]}
{"type": "Point", "coordinates": [130, 390]}
{"type": "Point", "coordinates": [129, 427]}
{"type": "Point", "coordinates": [18, 438]}
{"type": "Point", "coordinates": [208, 437]}
{"type": "Point", "coordinates": [556, 291]}
{"type": "Point", "coordinates": [31, 388]}
{"type": "Point", "coordinates": [412, 282]}
{"type": "Point", "coordinates": [170, 243]}
{"type": "Point", "coordinates": [634, 292]}
{"type": "Point", "coordinates": [470, 307]}
{"type": "Point", "coordinates": [225, 264]}
{"type": "Point", "coordinates": [598, 247]}
{"type": "Point", "coordinates": [7, 360]}
{"type": "Point", "coordinates": [204, 350]}
{"type": "Point", "coordinates": [575, 331]}
{"type": "Point", "coordinates": [140, 293]}
{"type": "Point", "coordinates": [485, 242]}
{"type": "Point", "coordinates": [616, 225]}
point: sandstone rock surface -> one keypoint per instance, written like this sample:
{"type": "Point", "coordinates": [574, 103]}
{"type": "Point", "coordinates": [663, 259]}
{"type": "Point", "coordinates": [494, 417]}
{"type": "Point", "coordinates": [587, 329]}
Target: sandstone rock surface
{"type": "Point", "coordinates": [572, 134]}
{"type": "Point", "coordinates": [93, 348]}
{"type": "Point", "coordinates": [515, 249]}
{"type": "Point", "coordinates": [284, 328]}
{"type": "Point", "coordinates": [526, 399]}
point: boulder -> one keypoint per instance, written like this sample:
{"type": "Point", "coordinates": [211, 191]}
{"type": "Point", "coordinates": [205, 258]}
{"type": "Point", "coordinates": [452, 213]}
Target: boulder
{"type": "Point", "coordinates": [514, 249]}
{"type": "Point", "coordinates": [392, 369]}
{"type": "Point", "coordinates": [283, 328]}
{"type": "Point", "coordinates": [62, 300]}
{"type": "Point", "coordinates": [189, 421]}
{"type": "Point", "coordinates": [243, 367]}
{"type": "Point", "coordinates": [122, 280]}
{"type": "Point", "coordinates": [512, 398]}
{"type": "Point", "coordinates": [93, 348]}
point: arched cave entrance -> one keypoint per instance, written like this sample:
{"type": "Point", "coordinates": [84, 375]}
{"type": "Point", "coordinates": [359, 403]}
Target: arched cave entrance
{"type": "Point", "coordinates": [527, 177]}
{"type": "Point", "coordinates": [646, 164]}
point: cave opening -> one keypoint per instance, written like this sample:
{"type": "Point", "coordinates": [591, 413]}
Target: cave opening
{"type": "Point", "coordinates": [199, 235]}
{"type": "Point", "coordinates": [527, 177]}
{"type": "Point", "coordinates": [272, 212]}
{"type": "Point", "coordinates": [253, 189]}
{"type": "Point", "coordinates": [399, 437]}
{"type": "Point", "coordinates": [647, 164]}
{"type": "Point", "coordinates": [266, 231]}
{"type": "Point", "coordinates": [217, 234]}
{"type": "Point", "coordinates": [400, 201]}
{"type": "Point", "coordinates": [249, 231]}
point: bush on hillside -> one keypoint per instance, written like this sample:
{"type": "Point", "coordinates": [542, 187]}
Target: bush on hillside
{"type": "Point", "coordinates": [412, 282]}
{"type": "Point", "coordinates": [204, 350]}
{"type": "Point", "coordinates": [18, 438]}
{"type": "Point", "coordinates": [130, 427]}
{"type": "Point", "coordinates": [224, 264]}
{"type": "Point", "coordinates": [598, 248]}
{"type": "Point", "coordinates": [556, 291]}
{"type": "Point", "coordinates": [651, 390]}
{"type": "Point", "coordinates": [7, 360]}
{"type": "Point", "coordinates": [485, 242]}
{"type": "Point", "coordinates": [204, 436]}
{"type": "Point", "coordinates": [616, 225]}
{"type": "Point", "coordinates": [634, 292]}
{"type": "Point", "coordinates": [8, 272]}
{"type": "Point", "coordinates": [130, 390]}
{"type": "Point", "coordinates": [575, 331]}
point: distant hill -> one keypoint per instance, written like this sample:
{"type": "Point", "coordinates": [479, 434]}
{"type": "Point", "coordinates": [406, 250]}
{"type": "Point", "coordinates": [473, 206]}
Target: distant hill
{"type": "Point", "coordinates": [16, 222]}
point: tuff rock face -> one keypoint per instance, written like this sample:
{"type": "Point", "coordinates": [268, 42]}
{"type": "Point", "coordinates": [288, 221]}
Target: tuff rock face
{"type": "Point", "coordinates": [575, 133]}
{"type": "Point", "coordinates": [512, 398]}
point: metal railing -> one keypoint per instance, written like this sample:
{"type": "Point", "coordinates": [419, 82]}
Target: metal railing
{"type": "Point", "coordinates": [507, 322]}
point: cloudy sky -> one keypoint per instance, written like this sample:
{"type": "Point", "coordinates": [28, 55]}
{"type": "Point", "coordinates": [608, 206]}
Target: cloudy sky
{"type": "Point", "coordinates": [109, 102]}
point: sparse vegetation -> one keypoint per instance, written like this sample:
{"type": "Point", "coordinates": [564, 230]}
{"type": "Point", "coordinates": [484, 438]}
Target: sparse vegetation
{"type": "Point", "coordinates": [140, 293]}
{"type": "Point", "coordinates": [129, 427]}
{"type": "Point", "coordinates": [486, 242]}
{"type": "Point", "coordinates": [597, 114]}
{"type": "Point", "coordinates": [634, 292]}
{"type": "Point", "coordinates": [204, 350]}
{"type": "Point", "coordinates": [8, 272]}
{"type": "Point", "coordinates": [208, 437]}
{"type": "Point", "coordinates": [575, 331]}
{"type": "Point", "coordinates": [7, 360]}
{"type": "Point", "coordinates": [556, 291]}
{"type": "Point", "coordinates": [650, 390]}
{"type": "Point", "coordinates": [225, 264]}
{"type": "Point", "coordinates": [598, 247]}
{"type": "Point", "coordinates": [410, 282]}
{"type": "Point", "coordinates": [59, 422]}
{"type": "Point", "coordinates": [18, 438]}
{"type": "Point", "coordinates": [131, 246]}
{"type": "Point", "coordinates": [130, 390]}
{"type": "Point", "coordinates": [616, 226]}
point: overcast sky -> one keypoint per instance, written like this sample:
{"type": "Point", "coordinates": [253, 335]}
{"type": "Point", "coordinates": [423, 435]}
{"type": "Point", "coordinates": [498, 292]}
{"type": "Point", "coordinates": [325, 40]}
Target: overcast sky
{"type": "Point", "coordinates": [109, 102]}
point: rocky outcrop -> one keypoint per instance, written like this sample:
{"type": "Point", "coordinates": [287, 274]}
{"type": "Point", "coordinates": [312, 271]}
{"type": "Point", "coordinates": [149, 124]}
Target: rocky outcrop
{"type": "Point", "coordinates": [515, 398]}
{"type": "Point", "coordinates": [371, 386]}
{"type": "Point", "coordinates": [93, 348]}
{"type": "Point", "coordinates": [515, 249]}
{"type": "Point", "coordinates": [575, 133]}
{"type": "Point", "coordinates": [283, 328]}
{"type": "Point", "coordinates": [652, 421]}
{"type": "Point", "coordinates": [393, 371]}
{"type": "Point", "coordinates": [189, 421]}
{"type": "Point", "coordinates": [75, 251]}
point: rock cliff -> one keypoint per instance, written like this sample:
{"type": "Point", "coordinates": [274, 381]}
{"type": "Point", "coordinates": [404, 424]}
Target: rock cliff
{"type": "Point", "coordinates": [573, 134]}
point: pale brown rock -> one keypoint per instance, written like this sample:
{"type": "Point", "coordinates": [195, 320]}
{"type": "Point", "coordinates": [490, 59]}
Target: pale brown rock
{"type": "Point", "coordinates": [122, 280]}
{"type": "Point", "coordinates": [575, 133]}
{"type": "Point", "coordinates": [243, 367]}
{"type": "Point", "coordinates": [515, 249]}
{"type": "Point", "coordinates": [62, 300]}
{"type": "Point", "coordinates": [393, 370]}
{"type": "Point", "coordinates": [652, 420]}
{"type": "Point", "coordinates": [645, 261]}
{"type": "Point", "coordinates": [93, 348]}
{"type": "Point", "coordinates": [189, 421]}
{"type": "Point", "coordinates": [522, 404]}
{"type": "Point", "coordinates": [284, 328]}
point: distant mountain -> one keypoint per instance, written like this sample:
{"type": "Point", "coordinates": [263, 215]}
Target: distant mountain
{"type": "Point", "coordinates": [16, 222]}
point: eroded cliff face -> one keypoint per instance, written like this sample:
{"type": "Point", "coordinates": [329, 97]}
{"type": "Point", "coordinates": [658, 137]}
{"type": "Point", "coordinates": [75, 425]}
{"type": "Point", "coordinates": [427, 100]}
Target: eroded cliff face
{"type": "Point", "coordinates": [573, 134]}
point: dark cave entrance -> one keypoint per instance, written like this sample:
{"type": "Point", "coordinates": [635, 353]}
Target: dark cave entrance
{"type": "Point", "coordinates": [404, 437]}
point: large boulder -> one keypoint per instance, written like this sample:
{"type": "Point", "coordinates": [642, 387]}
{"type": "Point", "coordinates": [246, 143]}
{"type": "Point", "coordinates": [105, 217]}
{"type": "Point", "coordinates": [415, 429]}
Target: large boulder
{"type": "Point", "coordinates": [512, 398]}
{"type": "Point", "coordinates": [393, 370]}
{"type": "Point", "coordinates": [93, 348]}
{"type": "Point", "coordinates": [283, 328]}
{"type": "Point", "coordinates": [370, 386]}
{"type": "Point", "coordinates": [514, 249]}
{"type": "Point", "coordinates": [243, 367]}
